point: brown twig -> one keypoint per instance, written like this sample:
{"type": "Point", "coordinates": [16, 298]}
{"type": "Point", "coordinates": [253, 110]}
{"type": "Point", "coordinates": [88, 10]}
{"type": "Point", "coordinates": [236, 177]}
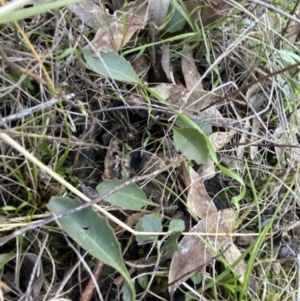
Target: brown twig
{"type": "Point", "coordinates": [89, 289]}
{"type": "Point", "coordinates": [22, 70]}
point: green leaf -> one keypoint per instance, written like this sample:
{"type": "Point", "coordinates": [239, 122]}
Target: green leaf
{"type": "Point", "coordinates": [191, 143]}
{"type": "Point", "coordinates": [171, 244]}
{"type": "Point", "coordinates": [126, 292]}
{"type": "Point", "coordinates": [236, 199]}
{"type": "Point", "coordinates": [93, 233]}
{"type": "Point", "coordinates": [176, 225]}
{"type": "Point", "coordinates": [6, 257]}
{"type": "Point", "coordinates": [177, 20]}
{"type": "Point", "coordinates": [196, 277]}
{"type": "Point", "coordinates": [143, 281]}
{"type": "Point", "coordinates": [112, 65]}
{"type": "Point", "coordinates": [148, 223]}
{"type": "Point", "coordinates": [64, 54]}
{"type": "Point", "coordinates": [203, 125]}
{"type": "Point", "coordinates": [129, 197]}
{"type": "Point", "coordinates": [35, 10]}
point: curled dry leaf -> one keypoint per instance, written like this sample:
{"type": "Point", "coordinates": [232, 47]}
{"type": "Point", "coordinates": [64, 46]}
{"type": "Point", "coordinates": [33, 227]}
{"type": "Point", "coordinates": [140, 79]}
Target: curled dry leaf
{"type": "Point", "coordinates": [158, 12]}
{"type": "Point", "coordinates": [256, 124]}
{"type": "Point", "coordinates": [243, 140]}
{"type": "Point", "coordinates": [165, 60]}
{"type": "Point", "coordinates": [191, 75]}
{"type": "Point", "coordinates": [198, 201]}
{"type": "Point", "coordinates": [112, 169]}
{"type": "Point", "coordinates": [160, 58]}
{"type": "Point", "coordinates": [220, 139]}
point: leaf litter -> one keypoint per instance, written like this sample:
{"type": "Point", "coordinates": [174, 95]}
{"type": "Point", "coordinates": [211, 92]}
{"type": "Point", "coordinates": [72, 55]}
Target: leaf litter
{"type": "Point", "coordinates": [164, 159]}
{"type": "Point", "coordinates": [195, 252]}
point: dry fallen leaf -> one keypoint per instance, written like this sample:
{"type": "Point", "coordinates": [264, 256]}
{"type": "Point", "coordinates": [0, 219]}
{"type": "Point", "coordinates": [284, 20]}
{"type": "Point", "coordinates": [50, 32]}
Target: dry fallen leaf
{"type": "Point", "coordinates": [160, 58]}
{"type": "Point", "coordinates": [220, 139]}
{"type": "Point", "coordinates": [191, 75]}
{"type": "Point", "coordinates": [208, 10]}
{"type": "Point", "coordinates": [88, 12]}
{"type": "Point", "coordinates": [198, 201]}
{"type": "Point", "coordinates": [166, 90]}
{"type": "Point", "coordinates": [232, 254]}
{"type": "Point", "coordinates": [116, 30]}
{"type": "Point", "coordinates": [193, 254]}
{"type": "Point", "coordinates": [180, 97]}
{"type": "Point", "coordinates": [112, 167]}
{"type": "Point", "coordinates": [194, 101]}
{"type": "Point", "coordinates": [255, 99]}
{"type": "Point", "coordinates": [207, 171]}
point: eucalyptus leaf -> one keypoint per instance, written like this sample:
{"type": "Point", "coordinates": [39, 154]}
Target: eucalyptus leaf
{"type": "Point", "coordinates": [129, 197]}
{"type": "Point", "coordinates": [112, 65]}
{"type": "Point", "coordinates": [191, 143]}
{"type": "Point", "coordinates": [93, 233]}
{"type": "Point", "coordinates": [148, 223]}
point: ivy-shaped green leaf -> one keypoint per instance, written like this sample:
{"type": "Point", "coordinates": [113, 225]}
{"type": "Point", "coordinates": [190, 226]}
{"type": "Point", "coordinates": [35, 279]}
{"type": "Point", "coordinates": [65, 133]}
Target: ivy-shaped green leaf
{"type": "Point", "coordinates": [129, 197]}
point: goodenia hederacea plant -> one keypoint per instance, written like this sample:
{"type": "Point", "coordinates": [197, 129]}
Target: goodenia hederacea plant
{"type": "Point", "coordinates": [94, 234]}
{"type": "Point", "coordinates": [199, 135]}
{"type": "Point", "coordinates": [111, 64]}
